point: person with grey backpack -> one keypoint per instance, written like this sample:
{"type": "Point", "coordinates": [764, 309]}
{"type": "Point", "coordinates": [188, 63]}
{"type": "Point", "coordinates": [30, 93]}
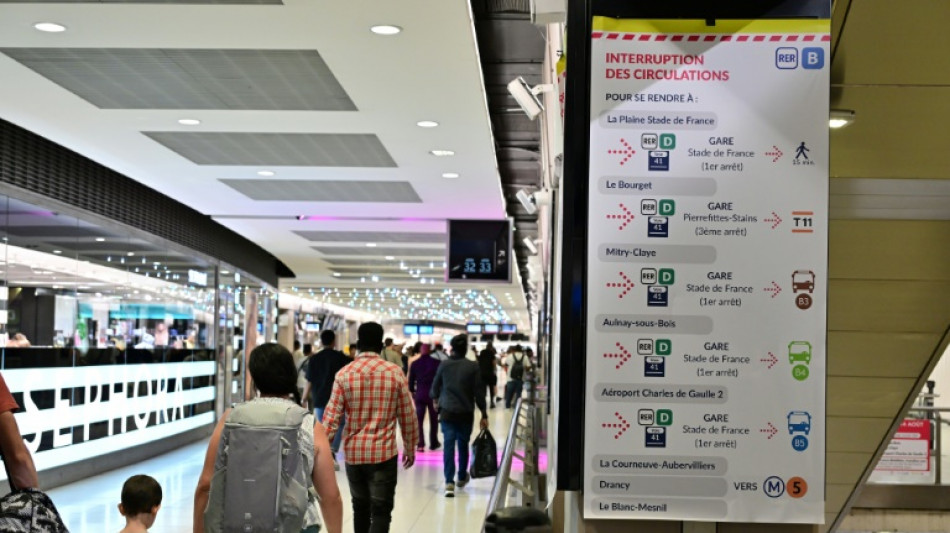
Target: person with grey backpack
{"type": "Point", "coordinates": [268, 463]}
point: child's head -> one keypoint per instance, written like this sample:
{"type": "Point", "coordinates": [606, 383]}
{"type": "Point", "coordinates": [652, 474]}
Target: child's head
{"type": "Point", "coordinates": [141, 495]}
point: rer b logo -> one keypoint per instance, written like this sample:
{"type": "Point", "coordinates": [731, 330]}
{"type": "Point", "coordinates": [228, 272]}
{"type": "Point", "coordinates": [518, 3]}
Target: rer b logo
{"type": "Point", "coordinates": [813, 58]}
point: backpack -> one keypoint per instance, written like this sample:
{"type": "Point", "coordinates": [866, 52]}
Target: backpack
{"type": "Point", "coordinates": [517, 368]}
{"type": "Point", "coordinates": [29, 511]}
{"type": "Point", "coordinates": [260, 480]}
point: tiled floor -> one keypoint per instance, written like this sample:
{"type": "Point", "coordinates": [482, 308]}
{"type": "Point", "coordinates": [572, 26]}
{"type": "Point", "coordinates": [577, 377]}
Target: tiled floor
{"type": "Point", "coordinates": [89, 506]}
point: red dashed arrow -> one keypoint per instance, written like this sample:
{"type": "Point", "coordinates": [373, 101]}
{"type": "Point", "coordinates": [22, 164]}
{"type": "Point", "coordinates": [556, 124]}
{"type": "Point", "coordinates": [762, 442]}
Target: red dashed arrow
{"type": "Point", "coordinates": [626, 285]}
{"type": "Point", "coordinates": [771, 360]}
{"type": "Point", "coordinates": [627, 151]}
{"type": "Point", "coordinates": [775, 153]}
{"type": "Point", "coordinates": [771, 430]}
{"type": "Point", "coordinates": [624, 355]}
{"type": "Point", "coordinates": [623, 426]}
{"type": "Point", "coordinates": [626, 217]}
{"type": "Point", "coordinates": [774, 289]}
{"type": "Point", "coordinates": [774, 219]}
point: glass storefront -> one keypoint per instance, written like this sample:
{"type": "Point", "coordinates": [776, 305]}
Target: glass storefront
{"type": "Point", "coordinates": [110, 339]}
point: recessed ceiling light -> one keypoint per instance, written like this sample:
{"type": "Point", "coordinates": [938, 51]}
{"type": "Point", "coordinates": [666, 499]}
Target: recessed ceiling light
{"type": "Point", "coordinates": [450, 175]}
{"type": "Point", "coordinates": [427, 124]}
{"type": "Point", "coordinates": [267, 173]}
{"type": "Point", "coordinates": [50, 27]}
{"type": "Point", "coordinates": [57, 251]}
{"type": "Point", "coordinates": [100, 239]}
{"type": "Point", "coordinates": [189, 121]}
{"type": "Point", "coordinates": [442, 153]}
{"type": "Point", "coordinates": [371, 244]}
{"type": "Point", "coordinates": [225, 272]}
{"type": "Point", "coordinates": [385, 29]}
{"type": "Point", "coordinates": [337, 274]}
{"type": "Point", "coordinates": [130, 254]}
{"type": "Point", "coordinates": [390, 257]}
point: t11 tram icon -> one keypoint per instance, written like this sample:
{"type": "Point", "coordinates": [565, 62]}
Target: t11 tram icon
{"type": "Point", "coordinates": [803, 280]}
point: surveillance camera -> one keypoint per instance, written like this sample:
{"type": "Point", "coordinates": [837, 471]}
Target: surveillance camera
{"type": "Point", "coordinates": [527, 201]}
{"type": "Point", "coordinates": [526, 97]}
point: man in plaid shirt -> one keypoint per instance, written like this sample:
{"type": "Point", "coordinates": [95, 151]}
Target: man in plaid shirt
{"type": "Point", "coordinates": [374, 396]}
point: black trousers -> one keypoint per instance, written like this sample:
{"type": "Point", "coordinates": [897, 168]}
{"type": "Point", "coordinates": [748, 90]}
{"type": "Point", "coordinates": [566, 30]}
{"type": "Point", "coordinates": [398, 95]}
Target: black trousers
{"type": "Point", "coordinates": [372, 489]}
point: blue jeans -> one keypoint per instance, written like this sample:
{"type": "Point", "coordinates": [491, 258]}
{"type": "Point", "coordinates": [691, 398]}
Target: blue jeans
{"type": "Point", "coordinates": [335, 445]}
{"type": "Point", "coordinates": [455, 434]}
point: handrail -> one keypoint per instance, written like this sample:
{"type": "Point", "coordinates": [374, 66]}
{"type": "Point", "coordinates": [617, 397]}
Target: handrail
{"type": "Point", "coordinates": [500, 487]}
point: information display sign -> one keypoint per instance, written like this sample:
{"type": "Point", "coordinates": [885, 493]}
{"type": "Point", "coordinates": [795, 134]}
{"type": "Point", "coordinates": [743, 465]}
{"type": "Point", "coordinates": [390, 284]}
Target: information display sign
{"type": "Point", "coordinates": [909, 450]}
{"type": "Point", "coordinates": [707, 270]}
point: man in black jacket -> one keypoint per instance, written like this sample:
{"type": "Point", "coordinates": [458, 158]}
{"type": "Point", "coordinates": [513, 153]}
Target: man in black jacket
{"type": "Point", "coordinates": [321, 371]}
{"type": "Point", "coordinates": [458, 387]}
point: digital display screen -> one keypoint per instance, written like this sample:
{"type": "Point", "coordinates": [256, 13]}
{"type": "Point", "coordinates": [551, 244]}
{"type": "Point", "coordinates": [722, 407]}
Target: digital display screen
{"type": "Point", "coordinates": [312, 326]}
{"type": "Point", "coordinates": [410, 329]}
{"type": "Point", "coordinates": [425, 329]}
{"type": "Point", "coordinates": [473, 328]}
{"type": "Point", "coordinates": [491, 328]}
{"type": "Point", "coordinates": [509, 328]}
{"type": "Point", "coordinates": [479, 250]}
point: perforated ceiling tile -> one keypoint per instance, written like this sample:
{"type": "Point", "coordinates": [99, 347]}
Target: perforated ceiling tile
{"type": "Point", "coordinates": [326, 191]}
{"type": "Point", "coordinates": [365, 251]}
{"type": "Point", "coordinates": [371, 236]}
{"type": "Point", "coordinates": [277, 149]}
{"type": "Point", "coordinates": [131, 78]}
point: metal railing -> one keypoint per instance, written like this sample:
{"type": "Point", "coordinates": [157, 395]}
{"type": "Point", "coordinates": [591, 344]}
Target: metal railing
{"type": "Point", "coordinates": [523, 431]}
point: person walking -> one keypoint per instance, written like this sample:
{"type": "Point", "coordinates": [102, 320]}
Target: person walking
{"type": "Point", "coordinates": [516, 363]}
{"type": "Point", "coordinates": [391, 353]}
{"type": "Point", "coordinates": [322, 368]}
{"type": "Point", "coordinates": [487, 361]}
{"type": "Point", "coordinates": [19, 461]}
{"type": "Point", "coordinates": [421, 374]}
{"type": "Point", "coordinates": [275, 378]}
{"type": "Point", "coordinates": [458, 387]}
{"type": "Point", "coordinates": [374, 396]}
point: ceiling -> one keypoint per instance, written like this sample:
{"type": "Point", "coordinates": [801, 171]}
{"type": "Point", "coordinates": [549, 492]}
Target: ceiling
{"type": "Point", "coordinates": [308, 142]}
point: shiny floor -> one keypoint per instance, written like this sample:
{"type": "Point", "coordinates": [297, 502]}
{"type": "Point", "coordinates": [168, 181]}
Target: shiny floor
{"type": "Point", "coordinates": [90, 506]}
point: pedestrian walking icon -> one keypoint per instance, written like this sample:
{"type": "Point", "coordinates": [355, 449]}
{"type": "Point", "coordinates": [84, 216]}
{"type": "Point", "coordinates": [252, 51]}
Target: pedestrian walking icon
{"type": "Point", "coordinates": [800, 151]}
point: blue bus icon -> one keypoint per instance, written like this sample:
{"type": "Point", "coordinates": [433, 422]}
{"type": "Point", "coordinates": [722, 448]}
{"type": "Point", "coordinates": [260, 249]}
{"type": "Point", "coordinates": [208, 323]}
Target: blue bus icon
{"type": "Point", "coordinates": [799, 422]}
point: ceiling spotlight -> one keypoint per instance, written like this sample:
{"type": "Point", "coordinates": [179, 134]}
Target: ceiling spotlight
{"type": "Point", "coordinates": [527, 200]}
{"type": "Point", "coordinates": [450, 175]}
{"type": "Point", "coordinates": [530, 244]}
{"type": "Point", "coordinates": [371, 245]}
{"type": "Point", "coordinates": [385, 29]}
{"type": "Point", "coordinates": [427, 124]}
{"type": "Point", "coordinates": [527, 96]}
{"type": "Point", "coordinates": [57, 252]}
{"type": "Point", "coordinates": [840, 118]}
{"type": "Point", "coordinates": [442, 153]}
{"type": "Point", "coordinates": [49, 27]}
{"type": "Point", "coordinates": [189, 121]}
{"type": "Point", "coordinates": [337, 274]}
{"type": "Point", "coordinates": [100, 239]}
{"type": "Point", "coordinates": [266, 173]}
{"type": "Point", "coordinates": [130, 254]}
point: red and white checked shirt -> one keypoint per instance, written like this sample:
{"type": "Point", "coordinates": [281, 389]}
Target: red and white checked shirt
{"type": "Point", "coordinates": [374, 395]}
